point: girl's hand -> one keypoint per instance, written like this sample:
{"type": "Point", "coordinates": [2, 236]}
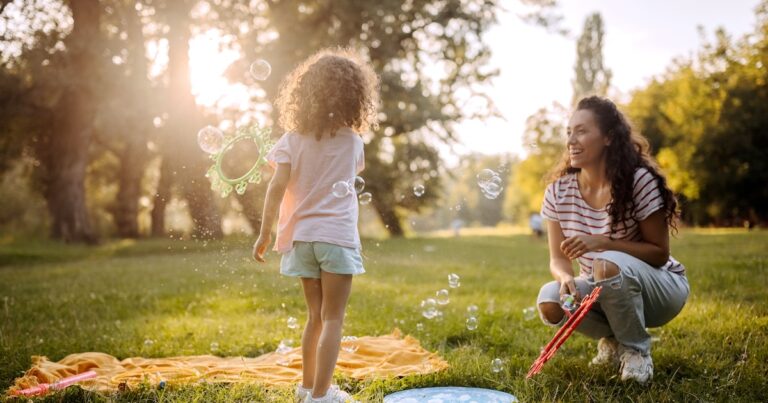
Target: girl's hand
{"type": "Point", "coordinates": [260, 247]}
{"type": "Point", "coordinates": [568, 286]}
{"type": "Point", "coordinates": [576, 246]}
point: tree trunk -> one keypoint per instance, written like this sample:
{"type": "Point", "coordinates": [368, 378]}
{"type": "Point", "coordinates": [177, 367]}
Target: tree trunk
{"type": "Point", "coordinates": [188, 163]}
{"type": "Point", "coordinates": [160, 200]}
{"type": "Point", "coordinates": [389, 217]}
{"type": "Point", "coordinates": [66, 158]}
{"type": "Point", "coordinates": [133, 158]}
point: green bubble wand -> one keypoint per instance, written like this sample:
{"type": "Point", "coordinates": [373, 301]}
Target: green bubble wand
{"type": "Point", "coordinates": [223, 184]}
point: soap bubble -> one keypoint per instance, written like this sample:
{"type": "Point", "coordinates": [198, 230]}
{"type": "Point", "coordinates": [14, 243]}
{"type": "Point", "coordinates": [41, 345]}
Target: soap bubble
{"type": "Point", "coordinates": [485, 176]}
{"type": "Point", "coordinates": [429, 308]}
{"type": "Point", "coordinates": [472, 311]}
{"type": "Point", "coordinates": [365, 198]}
{"type": "Point", "coordinates": [260, 69]}
{"type": "Point", "coordinates": [149, 342]}
{"type": "Point", "coordinates": [454, 280]}
{"type": "Point", "coordinates": [497, 365]}
{"type": "Point", "coordinates": [419, 327]}
{"type": "Point", "coordinates": [210, 139]}
{"type": "Point", "coordinates": [351, 344]}
{"type": "Point", "coordinates": [418, 190]}
{"type": "Point", "coordinates": [340, 189]}
{"type": "Point", "coordinates": [471, 323]}
{"type": "Point", "coordinates": [285, 346]}
{"type": "Point", "coordinates": [292, 322]}
{"type": "Point", "coordinates": [214, 346]}
{"type": "Point", "coordinates": [442, 297]}
{"type": "Point", "coordinates": [529, 313]}
{"type": "Point", "coordinates": [357, 184]}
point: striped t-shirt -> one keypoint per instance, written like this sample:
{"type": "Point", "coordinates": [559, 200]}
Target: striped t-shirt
{"type": "Point", "coordinates": [563, 202]}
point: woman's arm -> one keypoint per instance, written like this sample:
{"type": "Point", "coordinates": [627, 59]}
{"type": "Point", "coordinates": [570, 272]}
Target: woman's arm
{"type": "Point", "coordinates": [653, 249]}
{"type": "Point", "coordinates": [559, 264]}
{"type": "Point", "coordinates": [274, 197]}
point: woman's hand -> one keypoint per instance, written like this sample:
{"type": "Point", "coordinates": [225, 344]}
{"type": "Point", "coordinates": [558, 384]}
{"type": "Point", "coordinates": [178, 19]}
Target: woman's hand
{"type": "Point", "coordinates": [260, 247]}
{"type": "Point", "coordinates": [576, 246]}
{"type": "Point", "coordinates": [568, 286]}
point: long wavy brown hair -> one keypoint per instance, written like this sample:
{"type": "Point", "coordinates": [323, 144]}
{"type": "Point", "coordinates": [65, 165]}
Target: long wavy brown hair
{"type": "Point", "coordinates": [627, 151]}
{"type": "Point", "coordinates": [331, 89]}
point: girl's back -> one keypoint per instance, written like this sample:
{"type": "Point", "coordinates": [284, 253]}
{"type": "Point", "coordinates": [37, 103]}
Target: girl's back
{"type": "Point", "coordinates": [310, 212]}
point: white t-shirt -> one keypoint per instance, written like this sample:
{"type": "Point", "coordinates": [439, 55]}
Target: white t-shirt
{"type": "Point", "coordinates": [309, 211]}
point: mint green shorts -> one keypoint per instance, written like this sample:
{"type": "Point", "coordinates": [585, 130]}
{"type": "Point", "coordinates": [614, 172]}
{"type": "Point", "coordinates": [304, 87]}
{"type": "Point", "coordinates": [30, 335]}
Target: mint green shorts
{"type": "Point", "coordinates": [306, 259]}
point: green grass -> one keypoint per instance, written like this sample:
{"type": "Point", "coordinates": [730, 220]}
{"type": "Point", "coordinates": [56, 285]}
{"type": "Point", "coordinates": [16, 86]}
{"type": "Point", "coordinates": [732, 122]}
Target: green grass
{"type": "Point", "coordinates": [56, 300]}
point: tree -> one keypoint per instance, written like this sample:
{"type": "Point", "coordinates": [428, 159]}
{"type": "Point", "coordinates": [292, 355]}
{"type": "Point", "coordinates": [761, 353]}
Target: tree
{"type": "Point", "coordinates": [591, 75]}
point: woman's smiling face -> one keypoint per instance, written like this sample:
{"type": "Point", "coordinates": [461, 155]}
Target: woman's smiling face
{"type": "Point", "coordinates": [586, 143]}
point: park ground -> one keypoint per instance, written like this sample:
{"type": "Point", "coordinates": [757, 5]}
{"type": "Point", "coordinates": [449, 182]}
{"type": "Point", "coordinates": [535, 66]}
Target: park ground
{"type": "Point", "coordinates": [183, 295]}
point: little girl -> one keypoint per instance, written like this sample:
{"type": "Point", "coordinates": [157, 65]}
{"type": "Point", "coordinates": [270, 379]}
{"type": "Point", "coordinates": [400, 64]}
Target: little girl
{"type": "Point", "coordinates": [323, 104]}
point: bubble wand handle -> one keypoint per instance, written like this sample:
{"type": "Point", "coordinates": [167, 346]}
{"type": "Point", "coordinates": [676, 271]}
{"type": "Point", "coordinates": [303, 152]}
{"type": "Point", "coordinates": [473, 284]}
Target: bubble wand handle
{"type": "Point", "coordinates": [58, 385]}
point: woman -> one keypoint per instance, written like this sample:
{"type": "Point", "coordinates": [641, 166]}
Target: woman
{"type": "Point", "coordinates": [610, 208]}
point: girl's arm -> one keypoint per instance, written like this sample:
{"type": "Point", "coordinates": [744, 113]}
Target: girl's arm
{"type": "Point", "coordinates": [274, 197]}
{"type": "Point", "coordinates": [653, 249]}
{"type": "Point", "coordinates": [559, 264]}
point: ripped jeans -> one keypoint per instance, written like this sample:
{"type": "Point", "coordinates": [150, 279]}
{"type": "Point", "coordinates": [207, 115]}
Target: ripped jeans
{"type": "Point", "coordinates": [640, 296]}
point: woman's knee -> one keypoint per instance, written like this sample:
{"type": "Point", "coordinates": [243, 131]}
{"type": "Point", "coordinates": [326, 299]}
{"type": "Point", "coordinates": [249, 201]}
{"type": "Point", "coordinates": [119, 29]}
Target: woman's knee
{"type": "Point", "coordinates": [551, 312]}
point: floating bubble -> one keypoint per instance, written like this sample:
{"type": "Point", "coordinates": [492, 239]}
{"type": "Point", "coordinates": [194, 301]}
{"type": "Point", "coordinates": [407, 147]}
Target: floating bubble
{"type": "Point", "coordinates": [149, 342]}
{"type": "Point", "coordinates": [260, 69]}
{"type": "Point", "coordinates": [454, 280]}
{"type": "Point", "coordinates": [419, 327]}
{"type": "Point", "coordinates": [471, 323]}
{"type": "Point", "coordinates": [210, 139]}
{"type": "Point", "coordinates": [492, 191]}
{"type": "Point", "coordinates": [442, 297]}
{"type": "Point", "coordinates": [365, 198]}
{"type": "Point", "coordinates": [340, 189]}
{"type": "Point", "coordinates": [214, 346]}
{"type": "Point", "coordinates": [429, 308]}
{"type": "Point", "coordinates": [497, 365]}
{"type": "Point", "coordinates": [472, 311]}
{"type": "Point", "coordinates": [351, 344]}
{"type": "Point", "coordinates": [418, 190]}
{"type": "Point", "coordinates": [357, 184]}
{"type": "Point", "coordinates": [485, 176]}
{"type": "Point", "coordinates": [529, 313]}
{"type": "Point", "coordinates": [292, 322]}
{"type": "Point", "coordinates": [285, 346]}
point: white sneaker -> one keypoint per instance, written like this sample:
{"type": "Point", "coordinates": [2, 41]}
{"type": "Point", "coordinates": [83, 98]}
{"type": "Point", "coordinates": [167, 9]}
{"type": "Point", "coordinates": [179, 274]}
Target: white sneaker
{"type": "Point", "coordinates": [302, 392]}
{"type": "Point", "coordinates": [333, 395]}
{"type": "Point", "coordinates": [635, 366]}
{"type": "Point", "coordinates": [607, 352]}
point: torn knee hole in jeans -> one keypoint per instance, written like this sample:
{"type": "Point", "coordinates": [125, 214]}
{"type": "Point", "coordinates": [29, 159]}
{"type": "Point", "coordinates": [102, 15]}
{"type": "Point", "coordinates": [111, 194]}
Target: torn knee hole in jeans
{"type": "Point", "coordinates": [615, 280]}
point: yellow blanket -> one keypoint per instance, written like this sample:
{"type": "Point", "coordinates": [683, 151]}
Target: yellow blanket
{"type": "Point", "coordinates": [382, 356]}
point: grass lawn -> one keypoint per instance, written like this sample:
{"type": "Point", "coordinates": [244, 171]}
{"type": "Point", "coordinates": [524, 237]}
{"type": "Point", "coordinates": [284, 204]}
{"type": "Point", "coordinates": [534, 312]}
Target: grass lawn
{"type": "Point", "coordinates": [184, 295]}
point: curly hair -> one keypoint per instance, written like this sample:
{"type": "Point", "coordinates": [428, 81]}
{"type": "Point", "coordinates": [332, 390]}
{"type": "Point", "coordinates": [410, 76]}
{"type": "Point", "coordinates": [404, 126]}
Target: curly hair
{"type": "Point", "coordinates": [331, 89]}
{"type": "Point", "coordinates": [626, 152]}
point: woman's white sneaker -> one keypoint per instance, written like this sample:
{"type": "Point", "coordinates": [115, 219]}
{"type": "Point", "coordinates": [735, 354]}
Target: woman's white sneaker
{"type": "Point", "coordinates": [302, 392]}
{"type": "Point", "coordinates": [635, 366]}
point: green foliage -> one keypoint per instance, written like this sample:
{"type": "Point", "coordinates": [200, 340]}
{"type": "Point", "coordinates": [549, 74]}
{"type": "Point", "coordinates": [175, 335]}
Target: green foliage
{"type": "Point", "coordinates": [64, 299]}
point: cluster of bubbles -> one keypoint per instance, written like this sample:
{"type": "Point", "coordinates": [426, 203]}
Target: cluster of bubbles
{"type": "Point", "coordinates": [355, 185]}
{"type": "Point", "coordinates": [211, 139]}
{"type": "Point", "coordinates": [490, 183]}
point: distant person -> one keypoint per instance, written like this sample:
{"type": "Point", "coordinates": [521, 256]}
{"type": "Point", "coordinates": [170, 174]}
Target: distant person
{"type": "Point", "coordinates": [536, 224]}
{"type": "Point", "coordinates": [324, 104]}
{"type": "Point", "coordinates": [610, 208]}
